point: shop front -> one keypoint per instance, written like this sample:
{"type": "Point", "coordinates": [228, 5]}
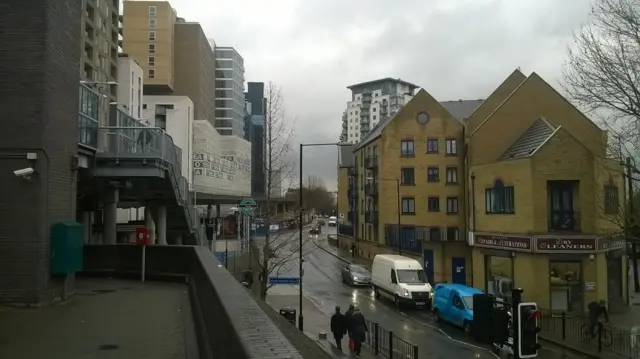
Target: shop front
{"type": "Point", "coordinates": [560, 273]}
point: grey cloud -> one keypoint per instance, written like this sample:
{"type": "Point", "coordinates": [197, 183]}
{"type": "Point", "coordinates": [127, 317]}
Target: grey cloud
{"type": "Point", "coordinates": [454, 49]}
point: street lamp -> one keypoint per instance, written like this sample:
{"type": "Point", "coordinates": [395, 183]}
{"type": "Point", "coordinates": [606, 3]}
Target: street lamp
{"type": "Point", "coordinates": [84, 82]}
{"type": "Point", "coordinates": [302, 146]}
{"type": "Point", "coordinates": [397, 180]}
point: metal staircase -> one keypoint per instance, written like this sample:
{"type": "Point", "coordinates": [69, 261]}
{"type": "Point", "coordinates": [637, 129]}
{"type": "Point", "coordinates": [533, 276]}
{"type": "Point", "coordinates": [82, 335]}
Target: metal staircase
{"type": "Point", "coordinates": [149, 161]}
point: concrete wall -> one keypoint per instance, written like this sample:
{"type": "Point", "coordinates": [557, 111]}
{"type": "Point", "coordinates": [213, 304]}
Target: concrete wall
{"type": "Point", "coordinates": [222, 164]}
{"type": "Point", "coordinates": [130, 85]}
{"type": "Point", "coordinates": [179, 125]}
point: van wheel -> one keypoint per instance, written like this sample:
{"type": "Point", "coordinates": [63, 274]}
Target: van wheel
{"type": "Point", "coordinates": [466, 326]}
{"type": "Point", "coordinates": [376, 292]}
{"type": "Point", "coordinates": [436, 315]}
{"type": "Point", "coordinates": [396, 301]}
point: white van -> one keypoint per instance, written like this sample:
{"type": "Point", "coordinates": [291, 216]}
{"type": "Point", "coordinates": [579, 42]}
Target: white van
{"type": "Point", "coordinates": [401, 279]}
{"type": "Point", "coordinates": [333, 221]}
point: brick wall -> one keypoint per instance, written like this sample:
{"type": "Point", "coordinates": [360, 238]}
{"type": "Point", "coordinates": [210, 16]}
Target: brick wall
{"type": "Point", "coordinates": [39, 72]}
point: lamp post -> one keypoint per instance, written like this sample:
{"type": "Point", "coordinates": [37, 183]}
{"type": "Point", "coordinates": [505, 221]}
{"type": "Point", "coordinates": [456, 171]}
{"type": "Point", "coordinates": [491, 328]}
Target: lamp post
{"type": "Point", "coordinates": [300, 210]}
{"type": "Point", "coordinates": [630, 170]}
{"type": "Point", "coordinates": [399, 200]}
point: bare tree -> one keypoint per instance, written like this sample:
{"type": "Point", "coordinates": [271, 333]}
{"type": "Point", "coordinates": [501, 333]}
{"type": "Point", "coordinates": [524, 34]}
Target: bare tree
{"type": "Point", "coordinates": [602, 73]}
{"type": "Point", "coordinates": [602, 76]}
{"type": "Point", "coordinates": [281, 248]}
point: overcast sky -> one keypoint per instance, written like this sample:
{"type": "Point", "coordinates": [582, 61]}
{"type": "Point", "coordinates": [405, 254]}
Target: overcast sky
{"type": "Point", "coordinates": [455, 49]}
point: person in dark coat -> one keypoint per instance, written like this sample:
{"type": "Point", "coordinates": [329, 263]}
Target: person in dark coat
{"type": "Point", "coordinates": [338, 327]}
{"type": "Point", "coordinates": [347, 317]}
{"type": "Point", "coordinates": [596, 310]}
{"type": "Point", "coordinates": [358, 330]}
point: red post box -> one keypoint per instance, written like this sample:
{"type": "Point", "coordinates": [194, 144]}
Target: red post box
{"type": "Point", "coordinates": [142, 236]}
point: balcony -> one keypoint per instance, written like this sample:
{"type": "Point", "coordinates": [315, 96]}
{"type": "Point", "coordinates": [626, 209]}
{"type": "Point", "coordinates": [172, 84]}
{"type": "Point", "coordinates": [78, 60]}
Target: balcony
{"type": "Point", "coordinates": [352, 171]}
{"type": "Point", "coordinates": [88, 117]}
{"type": "Point", "coordinates": [352, 192]}
{"type": "Point", "coordinates": [224, 318]}
{"type": "Point", "coordinates": [371, 216]}
{"type": "Point", "coordinates": [371, 162]}
{"type": "Point", "coordinates": [564, 221]}
{"type": "Point", "coordinates": [563, 216]}
{"type": "Point", "coordinates": [344, 125]}
{"type": "Point", "coordinates": [371, 189]}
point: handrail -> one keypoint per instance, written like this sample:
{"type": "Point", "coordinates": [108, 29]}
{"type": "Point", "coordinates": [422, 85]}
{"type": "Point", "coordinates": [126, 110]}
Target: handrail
{"type": "Point", "coordinates": [151, 142]}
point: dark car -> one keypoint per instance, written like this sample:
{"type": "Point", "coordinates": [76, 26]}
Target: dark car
{"type": "Point", "coordinates": [353, 274]}
{"type": "Point", "coordinates": [314, 230]}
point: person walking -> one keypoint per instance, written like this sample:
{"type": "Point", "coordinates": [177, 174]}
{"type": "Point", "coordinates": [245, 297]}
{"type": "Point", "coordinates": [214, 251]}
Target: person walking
{"type": "Point", "coordinates": [358, 330]}
{"type": "Point", "coordinates": [338, 327]}
{"type": "Point", "coordinates": [347, 318]}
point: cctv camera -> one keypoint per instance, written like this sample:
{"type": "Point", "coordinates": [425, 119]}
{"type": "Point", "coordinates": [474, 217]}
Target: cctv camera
{"type": "Point", "coordinates": [24, 172]}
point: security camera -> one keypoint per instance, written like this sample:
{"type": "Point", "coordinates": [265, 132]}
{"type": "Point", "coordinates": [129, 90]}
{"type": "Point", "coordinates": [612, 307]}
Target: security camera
{"type": "Point", "coordinates": [24, 172]}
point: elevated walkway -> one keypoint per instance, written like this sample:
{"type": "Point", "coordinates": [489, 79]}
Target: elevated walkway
{"type": "Point", "coordinates": [141, 166]}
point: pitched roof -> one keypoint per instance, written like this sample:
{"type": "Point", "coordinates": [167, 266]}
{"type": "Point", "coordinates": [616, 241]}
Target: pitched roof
{"type": "Point", "coordinates": [528, 143]}
{"type": "Point", "coordinates": [461, 109]}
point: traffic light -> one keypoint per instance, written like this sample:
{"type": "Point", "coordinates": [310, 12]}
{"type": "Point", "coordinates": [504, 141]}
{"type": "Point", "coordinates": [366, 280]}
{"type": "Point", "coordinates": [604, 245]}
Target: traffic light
{"type": "Point", "coordinates": [528, 316]}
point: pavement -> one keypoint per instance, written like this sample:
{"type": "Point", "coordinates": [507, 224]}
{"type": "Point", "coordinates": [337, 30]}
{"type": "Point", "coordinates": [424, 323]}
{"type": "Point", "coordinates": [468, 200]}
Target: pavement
{"type": "Point", "coordinates": [323, 287]}
{"type": "Point", "coordinates": [105, 319]}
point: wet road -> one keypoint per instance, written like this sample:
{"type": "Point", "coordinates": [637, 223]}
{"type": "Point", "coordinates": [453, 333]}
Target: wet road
{"type": "Point", "coordinates": [322, 285]}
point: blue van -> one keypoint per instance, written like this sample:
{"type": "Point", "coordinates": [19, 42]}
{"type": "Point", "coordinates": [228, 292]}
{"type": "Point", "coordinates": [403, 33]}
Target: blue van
{"type": "Point", "coordinates": [453, 303]}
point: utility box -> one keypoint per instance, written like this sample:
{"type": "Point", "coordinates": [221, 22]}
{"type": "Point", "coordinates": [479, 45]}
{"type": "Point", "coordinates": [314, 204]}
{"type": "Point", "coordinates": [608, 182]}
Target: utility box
{"type": "Point", "coordinates": [66, 248]}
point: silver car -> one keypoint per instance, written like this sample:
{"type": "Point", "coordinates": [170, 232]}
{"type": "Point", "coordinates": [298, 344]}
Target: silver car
{"type": "Point", "coordinates": [353, 274]}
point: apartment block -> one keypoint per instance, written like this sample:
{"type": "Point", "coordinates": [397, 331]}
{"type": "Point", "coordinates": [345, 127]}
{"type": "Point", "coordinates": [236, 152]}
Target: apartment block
{"type": "Point", "coordinates": [230, 104]}
{"type": "Point", "coordinates": [148, 37]}
{"type": "Point", "coordinates": [130, 86]}
{"type": "Point", "coordinates": [371, 103]}
{"type": "Point", "coordinates": [194, 68]}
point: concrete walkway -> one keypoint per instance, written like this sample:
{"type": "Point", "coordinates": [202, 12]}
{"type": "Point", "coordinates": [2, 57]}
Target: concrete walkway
{"type": "Point", "coordinates": [105, 319]}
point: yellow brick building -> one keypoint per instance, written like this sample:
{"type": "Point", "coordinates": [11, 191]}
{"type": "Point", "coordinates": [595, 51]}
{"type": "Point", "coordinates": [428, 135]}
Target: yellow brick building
{"type": "Point", "coordinates": [537, 203]}
{"type": "Point", "coordinates": [409, 183]}
{"type": "Point", "coordinates": [545, 202]}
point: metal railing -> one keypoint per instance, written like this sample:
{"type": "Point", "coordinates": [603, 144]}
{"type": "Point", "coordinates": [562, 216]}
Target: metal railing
{"type": "Point", "coordinates": [153, 144]}
{"type": "Point", "coordinates": [575, 329]}
{"type": "Point", "coordinates": [388, 345]}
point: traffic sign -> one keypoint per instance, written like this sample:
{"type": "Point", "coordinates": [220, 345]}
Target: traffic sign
{"type": "Point", "coordinates": [284, 280]}
{"type": "Point", "coordinates": [248, 206]}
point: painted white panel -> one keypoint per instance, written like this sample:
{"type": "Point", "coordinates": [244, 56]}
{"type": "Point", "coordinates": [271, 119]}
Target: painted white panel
{"type": "Point", "coordinates": [222, 164]}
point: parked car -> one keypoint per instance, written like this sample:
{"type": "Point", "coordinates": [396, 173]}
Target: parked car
{"type": "Point", "coordinates": [353, 274]}
{"type": "Point", "coordinates": [453, 303]}
{"type": "Point", "coordinates": [333, 221]}
{"type": "Point", "coordinates": [401, 279]}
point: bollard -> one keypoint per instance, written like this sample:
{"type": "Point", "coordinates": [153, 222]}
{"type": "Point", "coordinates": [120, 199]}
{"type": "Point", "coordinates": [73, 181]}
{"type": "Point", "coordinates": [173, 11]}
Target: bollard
{"type": "Point", "coordinates": [322, 335]}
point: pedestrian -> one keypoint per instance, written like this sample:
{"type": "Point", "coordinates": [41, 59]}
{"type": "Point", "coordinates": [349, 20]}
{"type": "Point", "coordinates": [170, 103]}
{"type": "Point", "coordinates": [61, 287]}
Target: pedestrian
{"type": "Point", "coordinates": [596, 309]}
{"type": "Point", "coordinates": [347, 317]}
{"type": "Point", "coordinates": [353, 250]}
{"type": "Point", "coordinates": [338, 327]}
{"type": "Point", "coordinates": [358, 330]}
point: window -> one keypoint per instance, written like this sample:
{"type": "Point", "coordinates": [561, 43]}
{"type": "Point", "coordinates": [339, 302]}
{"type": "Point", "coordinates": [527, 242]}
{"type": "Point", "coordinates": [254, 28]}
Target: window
{"type": "Point", "coordinates": [453, 234]}
{"type": "Point", "coordinates": [152, 23]}
{"type": "Point", "coordinates": [499, 199]}
{"type": "Point", "coordinates": [433, 174]}
{"type": "Point", "coordinates": [499, 276]}
{"type": "Point", "coordinates": [408, 206]}
{"type": "Point", "coordinates": [452, 175]}
{"type": "Point", "coordinates": [152, 48]}
{"type": "Point", "coordinates": [451, 146]}
{"type": "Point", "coordinates": [152, 61]}
{"type": "Point", "coordinates": [152, 73]}
{"type": "Point", "coordinates": [152, 35]}
{"type": "Point", "coordinates": [432, 145]}
{"type": "Point", "coordinates": [406, 148]}
{"type": "Point", "coordinates": [610, 200]}
{"type": "Point", "coordinates": [407, 176]}
{"type": "Point", "coordinates": [452, 205]}
{"type": "Point", "coordinates": [434, 234]}
{"type": "Point", "coordinates": [433, 204]}
{"type": "Point", "coordinates": [152, 10]}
